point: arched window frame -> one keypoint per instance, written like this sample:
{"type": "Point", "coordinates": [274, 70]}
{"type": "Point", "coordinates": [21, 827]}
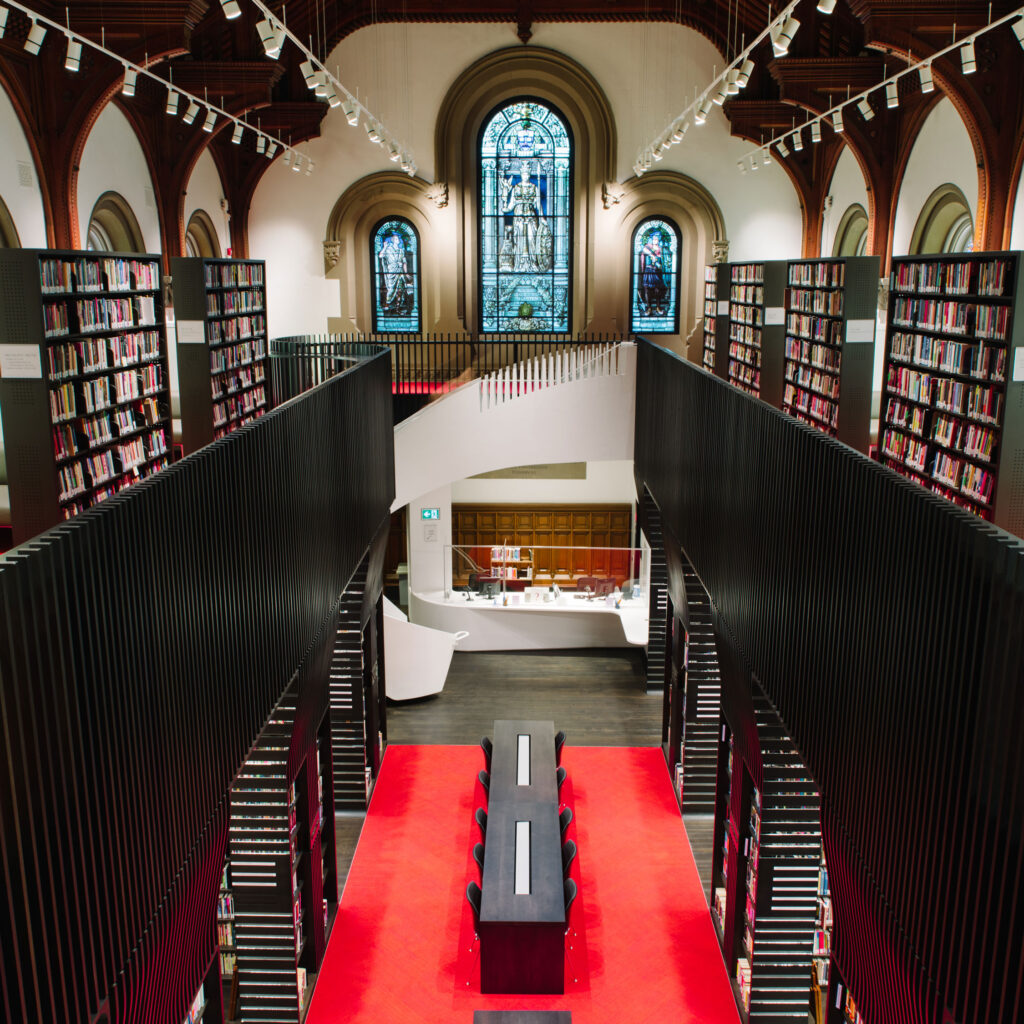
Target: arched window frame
{"type": "Point", "coordinates": [113, 223]}
{"type": "Point", "coordinates": [636, 325]}
{"type": "Point", "coordinates": [416, 273]}
{"type": "Point", "coordinates": [202, 236]}
{"type": "Point", "coordinates": [571, 217]}
{"type": "Point", "coordinates": [945, 224]}
{"type": "Point", "coordinates": [852, 233]}
{"type": "Point", "coordinates": [8, 232]}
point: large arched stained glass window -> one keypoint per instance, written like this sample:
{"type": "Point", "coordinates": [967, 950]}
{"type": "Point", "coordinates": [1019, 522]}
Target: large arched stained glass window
{"type": "Point", "coordinates": [395, 251]}
{"type": "Point", "coordinates": [654, 282]}
{"type": "Point", "coordinates": [525, 219]}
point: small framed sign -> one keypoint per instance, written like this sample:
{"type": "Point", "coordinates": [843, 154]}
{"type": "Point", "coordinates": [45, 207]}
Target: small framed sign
{"type": "Point", "coordinates": [430, 513]}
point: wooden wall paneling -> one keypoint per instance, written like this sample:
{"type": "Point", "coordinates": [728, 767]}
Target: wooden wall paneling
{"type": "Point", "coordinates": [883, 625]}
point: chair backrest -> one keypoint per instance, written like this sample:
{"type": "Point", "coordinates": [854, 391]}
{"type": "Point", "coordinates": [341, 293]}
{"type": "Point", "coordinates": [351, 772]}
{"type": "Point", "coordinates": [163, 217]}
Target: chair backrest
{"type": "Point", "coordinates": [481, 820]}
{"type": "Point", "coordinates": [570, 895]}
{"type": "Point", "coordinates": [568, 856]}
{"type": "Point", "coordinates": [559, 743]}
{"type": "Point", "coordinates": [478, 855]}
{"type": "Point", "coordinates": [485, 780]}
{"type": "Point", "coordinates": [560, 775]}
{"type": "Point", "coordinates": [487, 747]}
{"type": "Point", "coordinates": [473, 895]}
{"type": "Point", "coordinates": [564, 818]}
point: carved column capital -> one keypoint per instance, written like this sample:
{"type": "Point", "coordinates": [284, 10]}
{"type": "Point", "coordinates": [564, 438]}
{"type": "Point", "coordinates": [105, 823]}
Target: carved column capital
{"type": "Point", "coordinates": [720, 250]}
{"type": "Point", "coordinates": [332, 255]}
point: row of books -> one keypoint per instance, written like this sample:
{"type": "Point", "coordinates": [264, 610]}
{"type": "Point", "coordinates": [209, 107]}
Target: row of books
{"type": "Point", "coordinates": [91, 355]}
{"type": "Point", "coordinates": [94, 315]}
{"type": "Point", "coordinates": [85, 474]}
{"type": "Point", "coordinates": [826, 303]}
{"type": "Point", "coordinates": [821, 357]}
{"type": "Point", "coordinates": [743, 351]}
{"type": "Point", "coordinates": [197, 1008]}
{"type": "Point", "coordinates": [745, 377]}
{"type": "Point", "coordinates": [230, 303]}
{"type": "Point", "coordinates": [907, 416]}
{"type": "Point", "coordinates": [115, 486]}
{"type": "Point", "coordinates": [753, 315]}
{"type": "Point", "coordinates": [225, 933]}
{"type": "Point", "coordinates": [746, 335]}
{"type": "Point", "coordinates": [743, 981]}
{"type": "Point", "coordinates": [710, 310]}
{"type": "Point", "coordinates": [241, 354]}
{"type": "Point", "coordinates": [978, 278]}
{"type": "Point", "coordinates": [972, 400]}
{"type": "Point", "coordinates": [236, 381]}
{"type": "Point", "coordinates": [226, 275]}
{"type": "Point", "coordinates": [813, 328]}
{"type": "Point", "coordinates": [70, 439]}
{"type": "Point", "coordinates": [963, 476]}
{"type": "Point", "coordinates": [820, 411]}
{"type": "Point", "coordinates": [986, 362]}
{"type": "Point", "coordinates": [747, 273]}
{"type": "Point", "coordinates": [219, 332]}
{"type": "Point", "coordinates": [96, 394]}
{"type": "Point", "coordinates": [237, 407]}
{"type": "Point", "coordinates": [748, 293]}
{"type": "Point", "coordinates": [817, 275]}
{"type": "Point", "coordinates": [820, 383]}
{"type": "Point", "coordinates": [89, 274]}
{"type": "Point", "coordinates": [951, 317]}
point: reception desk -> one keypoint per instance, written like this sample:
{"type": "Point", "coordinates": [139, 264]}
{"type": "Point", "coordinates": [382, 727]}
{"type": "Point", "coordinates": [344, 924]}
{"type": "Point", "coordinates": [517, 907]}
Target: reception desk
{"type": "Point", "coordinates": [517, 623]}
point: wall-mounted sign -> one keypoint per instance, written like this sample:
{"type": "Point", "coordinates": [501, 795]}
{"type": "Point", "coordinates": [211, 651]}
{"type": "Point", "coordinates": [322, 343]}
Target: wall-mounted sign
{"type": "Point", "coordinates": [430, 513]}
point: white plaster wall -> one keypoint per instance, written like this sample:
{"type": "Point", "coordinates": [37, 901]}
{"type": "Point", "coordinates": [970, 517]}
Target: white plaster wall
{"type": "Point", "coordinates": [23, 201]}
{"type": "Point", "coordinates": [113, 162]}
{"type": "Point", "coordinates": [290, 211]}
{"type": "Point", "coordinates": [942, 154]}
{"type": "Point", "coordinates": [847, 187]}
{"type": "Point", "coordinates": [205, 192]}
{"type": "Point", "coordinates": [430, 542]}
{"type": "Point", "coordinates": [606, 483]}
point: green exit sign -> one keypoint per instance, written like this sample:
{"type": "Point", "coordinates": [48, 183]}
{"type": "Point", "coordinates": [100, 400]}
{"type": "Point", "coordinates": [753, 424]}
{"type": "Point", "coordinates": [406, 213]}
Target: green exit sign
{"type": "Point", "coordinates": [430, 513]}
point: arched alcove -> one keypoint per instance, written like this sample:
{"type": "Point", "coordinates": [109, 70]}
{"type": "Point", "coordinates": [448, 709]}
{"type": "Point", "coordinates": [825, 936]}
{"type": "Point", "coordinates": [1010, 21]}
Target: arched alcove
{"type": "Point", "coordinates": [201, 236]}
{"type": "Point", "coordinates": [8, 232]}
{"type": "Point", "coordinates": [551, 78]}
{"type": "Point", "coordinates": [944, 224]}
{"type": "Point", "coordinates": [113, 226]}
{"type": "Point", "coordinates": [852, 232]}
{"type": "Point", "coordinates": [349, 238]}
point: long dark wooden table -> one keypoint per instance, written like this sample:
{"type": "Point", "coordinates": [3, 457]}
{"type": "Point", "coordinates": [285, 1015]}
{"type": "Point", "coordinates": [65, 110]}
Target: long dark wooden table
{"type": "Point", "coordinates": [522, 936]}
{"type": "Point", "coordinates": [522, 1017]}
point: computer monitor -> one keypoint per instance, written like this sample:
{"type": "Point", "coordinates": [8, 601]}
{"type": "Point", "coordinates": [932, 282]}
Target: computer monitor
{"type": "Point", "coordinates": [489, 589]}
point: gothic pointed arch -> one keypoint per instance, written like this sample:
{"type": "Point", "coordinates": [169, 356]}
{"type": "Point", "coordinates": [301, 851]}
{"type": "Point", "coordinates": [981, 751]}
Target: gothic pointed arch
{"type": "Point", "coordinates": [556, 81]}
{"type": "Point", "coordinates": [357, 215]}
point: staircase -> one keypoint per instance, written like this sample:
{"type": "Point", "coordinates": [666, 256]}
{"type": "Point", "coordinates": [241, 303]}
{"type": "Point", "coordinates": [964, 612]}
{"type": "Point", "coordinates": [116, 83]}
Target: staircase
{"type": "Point", "coordinates": [657, 629]}
{"type": "Point", "coordinates": [790, 855]}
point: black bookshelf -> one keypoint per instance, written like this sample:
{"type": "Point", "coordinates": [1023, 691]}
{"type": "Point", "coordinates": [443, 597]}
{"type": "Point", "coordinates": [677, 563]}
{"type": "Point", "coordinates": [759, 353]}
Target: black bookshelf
{"type": "Point", "coordinates": [226, 949]}
{"type": "Point", "coordinates": [220, 309]}
{"type": "Point", "coordinates": [84, 380]}
{"type": "Point", "coordinates": [757, 328]}
{"type": "Point", "coordinates": [951, 417]}
{"type": "Point", "coordinates": [714, 357]}
{"type": "Point", "coordinates": [207, 1005]}
{"type": "Point", "coordinates": [831, 311]}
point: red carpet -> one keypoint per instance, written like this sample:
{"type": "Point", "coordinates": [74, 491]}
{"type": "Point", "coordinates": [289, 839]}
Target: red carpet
{"type": "Point", "coordinates": [645, 948]}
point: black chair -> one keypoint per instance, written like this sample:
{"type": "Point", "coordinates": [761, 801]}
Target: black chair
{"type": "Point", "coordinates": [559, 743]}
{"type": "Point", "coordinates": [478, 856]}
{"type": "Point", "coordinates": [563, 820]}
{"type": "Point", "coordinates": [570, 896]}
{"type": "Point", "coordinates": [481, 820]}
{"type": "Point", "coordinates": [485, 781]}
{"type": "Point", "coordinates": [560, 777]}
{"type": "Point", "coordinates": [473, 895]}
{"type": "Point", "coordinates": [568, 856]}
{"type": "Point", "coordinates": [487, 747]}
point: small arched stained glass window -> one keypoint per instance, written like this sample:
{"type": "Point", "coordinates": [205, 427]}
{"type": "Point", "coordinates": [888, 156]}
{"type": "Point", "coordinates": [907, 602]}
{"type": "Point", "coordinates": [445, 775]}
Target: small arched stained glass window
{"type": "Point", "coordinates": [395, 252]}
{"type": "Point", "coordinates": [654, 281]}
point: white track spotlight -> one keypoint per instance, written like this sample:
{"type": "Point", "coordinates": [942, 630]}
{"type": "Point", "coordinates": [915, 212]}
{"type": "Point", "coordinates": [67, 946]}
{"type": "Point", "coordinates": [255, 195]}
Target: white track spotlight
{"type": "Point", "coordinates": [261, 144]}
{"type": "Point", "coordinates": [892, 95]}
{"type": "Point", "coordinates": [73, 61]}
{"type": "Point", "coordinates": [394, 153]}
{"type": "Point", "coordinates": [351, 112]}
{"type": "Point", "coordinates": [967, 61]}
{"type": "Point", "coordinates": [271, 150]}
{"type": "Point", "coordinates": [309, 73]}
{"type": "Point", "coordinates": [719, 94]}
{"type": "Point", "coordinates": [332, 95]}
{"type": "Point", "coordinates": [679, 131]}
{"type": "Point", "coordinates": [130, 78]}
{"type": "Point", "coordinates": [744, 73]}
{"type": "Point", "coordinates": [925, 71]}
{"type": "Point", "coordinates": [798, 140]}
{"type": "Point", "coordinates": [837, 121]}
{"type": "Point", "coordinates": [657, 154]}
{"type": "Point", "coordinates": [3, 21]}
{"type": "Point", "coordinates": [321, 85]}
{"type": "Point", "coordinates": [236, 135]}
{"type": "Point", "coordinates": [309, 168]}
{"type": "Point", "coordinates": [412, 170]}
{"type": "Point", "coordinates": [287, 158]}
{"type": "Point", "coordinates": [173, 98]}
{"type": "Point", "coordinates": [36, 35]}
{"type": "Point", "coordinates": [211, 120]}
{"type": "Point", "coordinates": [783, 148]}
{"type": "Point", "coordinates": [753, 162]}
{"type": "Point", "coordinates": [272, 38]}
{"type": "Point", "coordinates": [192, 112]}
{"type": "Point", "coordinates": [1017, 26]}
{"type": "Point", "coordinates": [297, 163]}
{"type": "Point", "coordinates": [783, 36]}
{"type": "Point", "coordinates": [372, 131]}
{"type": "Point", "coordinates": [826, 6]}
{"type": "Point", "coordinates": [732, 82]}
{"type": "Point", "coordinates": [741, 166]}
{"type": "Point", "coordinates": [865, 109]}
{"type": "Point", "coordinates": [766, 155]}
{"type": "Point", "coordinates": [702, 112]}
{"type": "Point", "coordinates": [815, 131]}
{"type": "Point", "coordinates": [231, 9]}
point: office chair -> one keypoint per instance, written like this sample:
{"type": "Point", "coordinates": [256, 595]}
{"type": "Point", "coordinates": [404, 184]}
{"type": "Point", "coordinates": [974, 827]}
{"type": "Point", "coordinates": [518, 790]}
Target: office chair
{"type": "Point", "coordinates": [473, 895]}
{"type": "Point", "coordinates": [560, 777]}
{"type": "Point", "coordinates": [485, 781]}
{"type": "Point", "coordinates": [570, 896]}
{"type": "Point", "coordinates": [568, 856]}
{"type": "Point", "coordinates": [559, 743]}
{"type": "Point", "coordinates": [487, 747]}
{"type": "Point", "coordinates": [481, 820]}
{"type": "Point", "coordinates": [478, 856]}
{"type": "Point", "coordinates": [563, 820]}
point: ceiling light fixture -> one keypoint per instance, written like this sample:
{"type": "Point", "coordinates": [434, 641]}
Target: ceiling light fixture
{"type": "Point", "coordinates": [732, 82]}
{"type": "Point", "coordinates": [236, 135]}
{"type": "Point", "coordinates": [173, 98]}
{"type": "Point", "coordinates": [865, 109]}
{"type": "Point", "coordinates": [271, 36]}
{"type": "Point", "coordinates": [309, 73]}
{"type": "Point", "coordinates": [309, 167]}
{"type": "Point", "coordinates": [73, 61]}
{"type": "Point", "coordinates": [783, 38]}
{"type": "Point", "coordinates": [332, 96]}
{"type": "Point", "coordinates": [130, 78]}
{"type": "Point", "coordinates": [753, 162]}
{"type": "Point", "coordinates": [744, 73]}
{"type": "Point", "coordinates": [679, 131]}
{"type": "Point", "coordinates": [371, 131]}
{"type": "Point", "coordinates": [3, 20]}
{"type": "Point", "coordinates": [320, 89]}
{"type": "Point", "coordinates": [742, 166]}
{"type": "Point", "coordinates": [702, 112]}
{"type": "Point", "coordinates": [351, 112]}
{"type": "Point", "coordinates": [927, 83]}
{"type": "Point", "coordinates": [782, 148]}
{"type": "Point", "coordinates": [1017, 26]}
{"type": "Point", "coordinates": [231, 9]}
{"type": "Point", "coordinates": [826, 6]}
{"type": "Point", "coordinates": [36, 35]}
{"type": "Point", "coordinates": [261, 143]}
{"type": "Point", "coordinates": [719, 95]}
{"type": "Point", "coordinates": [815, 131]}
{"type": "Point", "coordinates": [192, 112]}
{"type": "Point", "coordinates": [967, 59]}
{"type": "Point", "coordinates": [287, 158]}
{"type": "Point", "coordinates": [211, 120]}
{"type": "Point", "coordinates": [297, 163]}
{"type": "Point", "coordinates": [798, 140]}
{"type": "Point", "coordinates": [892, 95]}
{"type": "Point", "coordinates": [837, 121]}
{"type": "Point", "coordinates": [766, 155]}
{"type": "Point", "coordinates": [271, 150]}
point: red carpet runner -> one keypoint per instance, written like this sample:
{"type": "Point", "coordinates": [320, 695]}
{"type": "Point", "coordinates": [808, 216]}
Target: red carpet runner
{"type": "Point", "coordinates": [645, 947]}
